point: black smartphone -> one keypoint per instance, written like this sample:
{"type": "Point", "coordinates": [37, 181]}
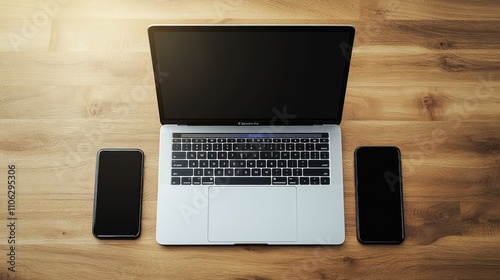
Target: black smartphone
{"type": "Point", "coordinates": [118, 193]}
{"type": "Point", "coordinates": [379, 195]}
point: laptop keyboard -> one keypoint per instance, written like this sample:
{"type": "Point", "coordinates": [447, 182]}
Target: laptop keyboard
{"type": "Point", "coordinates": [250, 159]}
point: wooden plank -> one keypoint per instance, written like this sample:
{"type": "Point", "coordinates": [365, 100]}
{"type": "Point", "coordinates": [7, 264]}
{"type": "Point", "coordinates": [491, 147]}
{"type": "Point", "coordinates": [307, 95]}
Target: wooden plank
{"type": "Point", "coordinates": [477, 101]}
{"type": "Point", "coordinates": [81, 101]}
{"type": "Point", "coordinates": [428, 35]}
{"type": "Point", "coordinates": [433, 10]}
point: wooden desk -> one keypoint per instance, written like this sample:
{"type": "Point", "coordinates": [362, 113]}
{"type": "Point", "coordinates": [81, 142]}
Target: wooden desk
{"type": "Point", "coordinates": [76, 76]}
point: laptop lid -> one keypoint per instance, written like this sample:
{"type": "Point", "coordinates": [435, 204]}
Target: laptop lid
{"type": "Point", "coordinates": [250, 75]}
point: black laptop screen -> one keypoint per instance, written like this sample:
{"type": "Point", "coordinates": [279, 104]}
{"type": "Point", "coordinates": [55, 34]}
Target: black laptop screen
{"type": "Point", "coordinates": [258, 74]}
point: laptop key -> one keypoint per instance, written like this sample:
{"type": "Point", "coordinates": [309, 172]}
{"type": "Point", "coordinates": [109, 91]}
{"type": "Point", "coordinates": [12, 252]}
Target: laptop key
{"type": "Point", "coordinates": [293, 180]}
{"type": "Point", "coordinates": [325, 180]}
{"type": "Point", "coordinates": [265, 155]}
{"type": "Point", "coordinates": [207, 147]}
{"type": "Point", "coordinates": [304, 180]}
{"type": "Point", "coordinates": [186, 180]}
{"type": "Point", "coordinates": [197, 147]}
{"type": "Point", "coordinates": [287, 172]}
{"type": "Point", "coordinates": [179, 163]}
{"type": "Point", "coordinates": [297, 172]}
{"type": "Point", "coordinates": [198, 172]}
{"type": "Point", "coordinates": [176, 180]}
{"type": "Point", "coordinates": [322, 147]}
{"type": "Point", "coordinates": [217, 147]}
{"type": "Point", "coordinates": [271, 163]}
{"type": "Point", "coordinates": [316, 172]}
{"type": "Point", "coordinates": [196, 181]}
{"type": "Point", "coordinates": [176, 147]}
{"type": "Point", "coordinates": [319, 163]}
{"type": "Point", "coordinates": [222, 155]}
{"type": "Point", "coordinates": [178, 155]}
{"type": "Point", "coordinates": [207, 180]}
{"type": "Point", "coordinates": [182, 172]}
{"type": "Point", "coordinates": [276, 172]}
{"type": "Point", "coordinates": [279, 180]}
{"type": "Point", "coordinates": [208, 172]}
{"type": "Point", "coordinates": [314, 180]}
{"type": "Point", "coordinates": [256, 172]}
{"type": "Point", "coordinates": [202, 155]}
{"type": "Point", "coordinates": [229, 172]}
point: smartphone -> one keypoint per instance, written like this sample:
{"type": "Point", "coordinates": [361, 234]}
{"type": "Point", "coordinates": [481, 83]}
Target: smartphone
{"type": "Point", "coordinates": [379, 195]}
{"type": "Point", "coordinates": [118, 193]}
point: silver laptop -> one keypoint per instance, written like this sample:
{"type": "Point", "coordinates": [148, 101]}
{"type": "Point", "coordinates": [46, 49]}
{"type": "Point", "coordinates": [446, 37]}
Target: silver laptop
{"type": "Point", "coordinates": [250, 143]}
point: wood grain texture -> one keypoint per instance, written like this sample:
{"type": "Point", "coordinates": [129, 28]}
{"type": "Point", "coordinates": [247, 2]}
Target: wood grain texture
{"type": "Point", "coordinates": [75, 76]}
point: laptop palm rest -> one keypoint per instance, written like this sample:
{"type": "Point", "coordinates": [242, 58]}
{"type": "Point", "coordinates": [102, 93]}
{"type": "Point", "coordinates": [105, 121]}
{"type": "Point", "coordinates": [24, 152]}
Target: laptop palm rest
{"type": "Point", "coordinates": [252, 214]}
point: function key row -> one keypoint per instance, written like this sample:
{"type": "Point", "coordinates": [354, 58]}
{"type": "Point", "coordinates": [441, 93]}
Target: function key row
{"type": "Point", "coordinates": [194, 163]}
{"type": "Point", "coordinates": [250, 140]}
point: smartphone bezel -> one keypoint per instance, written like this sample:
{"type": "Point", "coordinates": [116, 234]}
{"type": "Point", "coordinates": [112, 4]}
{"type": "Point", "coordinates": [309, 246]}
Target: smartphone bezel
{"type": "Point", "coordinates": [400, 186]}
{"type": "Point", "coordinates": [96, 190]}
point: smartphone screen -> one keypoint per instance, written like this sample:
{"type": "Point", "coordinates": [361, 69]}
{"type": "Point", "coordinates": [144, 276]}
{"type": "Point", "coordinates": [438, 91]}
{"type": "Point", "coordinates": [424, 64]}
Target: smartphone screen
{"type": "Point", "coordinates": [118, 193]}
{"type": "Point", "coordinates": [379, 196]}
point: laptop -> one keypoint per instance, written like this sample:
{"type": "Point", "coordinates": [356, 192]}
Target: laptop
{"type": "Point", "coordinates": [250, 144]}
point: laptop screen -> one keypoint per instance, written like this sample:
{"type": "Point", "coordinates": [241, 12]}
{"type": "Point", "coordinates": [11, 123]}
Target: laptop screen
{"type": "Point", "coordinates": [250, 75]}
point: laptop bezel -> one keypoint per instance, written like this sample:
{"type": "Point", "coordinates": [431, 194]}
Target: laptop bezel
{"type": "Point", "coordinates": [347, 49]}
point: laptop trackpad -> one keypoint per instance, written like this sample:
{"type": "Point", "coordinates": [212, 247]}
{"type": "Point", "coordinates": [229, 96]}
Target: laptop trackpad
{"type": "Point", "coordinates": [252, 214]}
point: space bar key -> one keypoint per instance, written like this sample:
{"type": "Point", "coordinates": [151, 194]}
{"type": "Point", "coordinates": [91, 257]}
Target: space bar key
{"type": "Point", "coordinates": [243, 180]}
